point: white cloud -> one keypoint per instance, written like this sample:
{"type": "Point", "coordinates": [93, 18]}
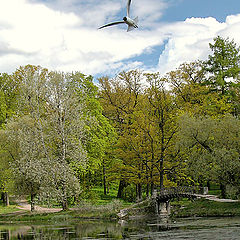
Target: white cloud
{"type": "Point", "coordinates": [33, 33]}
{"type": "Point", "coordinates": [189, 40]}
{"type": "Point", "coordinates": [149, 11]}
{"type": "Point", "coordinates": [63, 35]}
{"type": "Point", "coordinates": [93, 12]}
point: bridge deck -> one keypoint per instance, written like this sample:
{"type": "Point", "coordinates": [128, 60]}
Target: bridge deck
{"type": "Point", "coordinates": [167, 194]}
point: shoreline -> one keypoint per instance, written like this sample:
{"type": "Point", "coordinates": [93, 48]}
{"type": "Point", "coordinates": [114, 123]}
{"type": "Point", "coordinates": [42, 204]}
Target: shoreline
{"type": "Point", "coordinates": [182, 209]}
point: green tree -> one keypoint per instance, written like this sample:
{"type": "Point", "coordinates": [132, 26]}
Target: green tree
{"type": "Point", "coordinates": [193, 95]}
{"type": "Point", "coordinates": [8, 93]}
{"type": "Point", "coordinates": [163, 113]}
{"type": "Point", "coordinates": [6, 174]}
{"type": "Point", "coordinates": [23, 146]}
{"type": "Point", "coordinates": [100, 133]}
{"type": "Point", "coordinates": [9, 90]}
{"type": "Point", "coordinates": [145, 118]}
{"type": "Point", "coordinates": [213, 149]}
{"type": "Point", "coordinates": [224, 68]}
{"type": "Point", "coordinates": [51, 120]}
{"type": "Point", "coordinates": [120, 99]}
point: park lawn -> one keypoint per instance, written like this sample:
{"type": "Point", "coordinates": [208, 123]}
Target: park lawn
{"type": "Point", "coordinates": [205, 208]}
{"type": "Point", "coordinates": [98, 197]}
{"type": "Point", "coordinates": [99, 206]}
{"type": "Point", "coordinates": [8, 209]}
{"type": "Point", "coordinates": [85, 211]}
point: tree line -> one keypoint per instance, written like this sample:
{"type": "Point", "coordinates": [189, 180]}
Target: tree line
{"type": "Point", "coordinates": [61, 133]}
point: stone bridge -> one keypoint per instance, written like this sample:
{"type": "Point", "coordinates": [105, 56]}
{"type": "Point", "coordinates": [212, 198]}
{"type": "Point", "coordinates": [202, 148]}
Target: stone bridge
{"type": "Point", "coordinates": [163, 197]}
{"type": "Point", "coordinates": [160, 201]}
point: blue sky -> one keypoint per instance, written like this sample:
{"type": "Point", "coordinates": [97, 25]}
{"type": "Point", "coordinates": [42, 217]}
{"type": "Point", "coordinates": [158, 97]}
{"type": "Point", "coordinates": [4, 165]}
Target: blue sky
{"type": "Point", "coordinates": [179, 10]}
{"type": "Point", "coordinates": [62, 34]}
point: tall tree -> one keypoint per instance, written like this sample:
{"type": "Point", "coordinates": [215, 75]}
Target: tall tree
{"type": "Point", "coordinates": [213, 149]}
{"type": "Point", "coordinates": [164, 114]}
{"type": "Point", "coordinates": [224, 67]}
{"type": "Point", "coordinates": [9, 89]}
{"type": "Point", "coordinates": [192, 94]}
{"type": "Point", "coordinates": [120, 99]}
{"type": "Point", "coordinates": [23, 146]}
{"type": "Point", "coordinates": [50, 116]}
{"type": "Point", "coordinates": [100, 133]}
{"type": "Point", "coordinates": [8, 93]}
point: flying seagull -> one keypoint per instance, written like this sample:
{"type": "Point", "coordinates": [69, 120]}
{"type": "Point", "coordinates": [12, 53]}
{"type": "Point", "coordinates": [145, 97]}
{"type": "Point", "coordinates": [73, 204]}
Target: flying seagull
{"type": "Point", "coordinates": [132, 23]}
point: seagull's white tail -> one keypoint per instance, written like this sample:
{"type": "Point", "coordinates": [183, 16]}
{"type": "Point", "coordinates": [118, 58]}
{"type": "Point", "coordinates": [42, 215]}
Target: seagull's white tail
{"type": "Point", "coordinates": [130, 28]}
{"type": "Point", "coordinates": [135, 20]}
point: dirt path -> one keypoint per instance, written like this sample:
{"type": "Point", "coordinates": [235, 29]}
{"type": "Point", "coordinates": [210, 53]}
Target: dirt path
{"type": "Point", "coordinates": [215, 198]}
{"type": "Point", "coordinates": [24, 205]}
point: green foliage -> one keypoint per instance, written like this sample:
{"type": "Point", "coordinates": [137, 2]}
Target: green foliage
{"type": "Point", "coordinates": [213, 148]}
{"type": "Point", "coordinates": [224, 68]}
{"type": "Point", "coordinates": [46, 137]}
{"type": "Point", "coordinates": [3, 108]}
{"type": "Point", "coordinates": [84, 210]}
{"type": "Point", "coordinates": [8, 209]}
{"type": "Point", "coordinates": [60, 131]}
{"type": "Point", "coordinates": [206, 208]}
{"type": "Point", "coordinates": [224, 63]}
{"type": "Point", "coordinates": [8, 92]}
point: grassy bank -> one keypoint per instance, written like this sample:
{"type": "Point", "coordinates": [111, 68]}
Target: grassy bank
{"type": "Point", "coordinates": [96, 205]}
{"type": "Point", "coordinates": [205, 208]}
{"type": "Point", "coordinates": [9, 209]}
{"type": "Point", "coordinates": [84, 210]}
{"type": "Point", "coordinates": [101, 206]}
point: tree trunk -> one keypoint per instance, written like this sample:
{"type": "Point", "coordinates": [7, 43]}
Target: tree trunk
{"type": "Point", "coordinates": [200, 182]}
{"type": "Point", "coordinates": [223, 190]}
{"type": "Point", "coordinates": [161, 174]}
{"type": "Point", "coordinates": [152, 188]}
{"type": "Point", "coordinates": [104, 180]}
{"type": "Point", "coordinates": [208, 185]}
{"type": "Point", "coordinates": [147, 190]}
{"type": "Point", "coordinates": [32, 202]}
{"type": "Point", "coordinates": [64, 205]}
{"type": "Point", "coordinates": [2, 196]}
{"type": "Point", "coordinates": [139, 190]}
{"type": "Point", "coordinates": [64, 200]}
{"type": "Point", "coordinates": [122, 185]}
{"type": "Point", "coordinates": [136, 190]}
{"type": "Point", "coordinates": [6, 199]}
{"type": "Point", "coordinates": [151, 179]}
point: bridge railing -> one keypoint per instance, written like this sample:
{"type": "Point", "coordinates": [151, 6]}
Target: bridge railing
{"type": "Point", "coordinates": [180, 189]}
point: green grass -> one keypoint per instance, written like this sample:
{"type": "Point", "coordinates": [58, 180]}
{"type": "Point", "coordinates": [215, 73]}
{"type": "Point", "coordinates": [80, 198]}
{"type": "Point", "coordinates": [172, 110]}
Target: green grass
{"type": "Point", "coordinates": [216, 192]}
{"type": "Point", "coordinates": [214, 189]}
{"type": "Point", "coordinates": [98, 197]}
{"type": "Point", "coordinates": [98, 192]}
{"type": "Point", "coordinates": [97, 206]}
{"type": "Point", "coordinates": [8, 209]}
{"type": "Point", "coordinates": [85, 211]}
{"type": "Point", "coordinates": [205, 208]}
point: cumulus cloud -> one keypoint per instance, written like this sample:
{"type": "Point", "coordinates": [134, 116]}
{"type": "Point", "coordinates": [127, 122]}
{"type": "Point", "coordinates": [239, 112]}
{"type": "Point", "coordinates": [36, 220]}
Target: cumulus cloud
{"type": "Point", "coordinates": [93, 12]}
{"type": "Point", "coordinates": [63, 40]}
{"type": "Point", "coordinates": [63, 35]}
{"type": "Point", "coordinates": [189, 40]}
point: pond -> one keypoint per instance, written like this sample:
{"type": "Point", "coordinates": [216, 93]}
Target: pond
{"type": "Point", "coordinates": [189, 228]}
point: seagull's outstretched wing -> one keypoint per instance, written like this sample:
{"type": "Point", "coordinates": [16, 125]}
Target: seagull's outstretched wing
{"type": "Point", "coordinates": [111, 24]}
{"type": "Point", "coordinates": [128, 8]}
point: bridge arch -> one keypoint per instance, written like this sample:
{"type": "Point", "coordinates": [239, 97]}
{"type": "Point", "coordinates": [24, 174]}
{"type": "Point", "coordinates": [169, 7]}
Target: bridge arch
{"type": "Point", "coordinates": [163, 197]}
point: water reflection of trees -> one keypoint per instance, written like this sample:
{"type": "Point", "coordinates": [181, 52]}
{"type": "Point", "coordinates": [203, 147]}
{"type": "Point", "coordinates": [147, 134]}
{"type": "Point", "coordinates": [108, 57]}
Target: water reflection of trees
{"type": "Point", "coordinates": [78, 231]}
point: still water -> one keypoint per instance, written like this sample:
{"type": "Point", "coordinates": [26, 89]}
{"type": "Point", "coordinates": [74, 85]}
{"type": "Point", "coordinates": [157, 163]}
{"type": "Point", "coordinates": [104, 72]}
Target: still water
{"type": "Point", "coordinates": [190, 228]}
